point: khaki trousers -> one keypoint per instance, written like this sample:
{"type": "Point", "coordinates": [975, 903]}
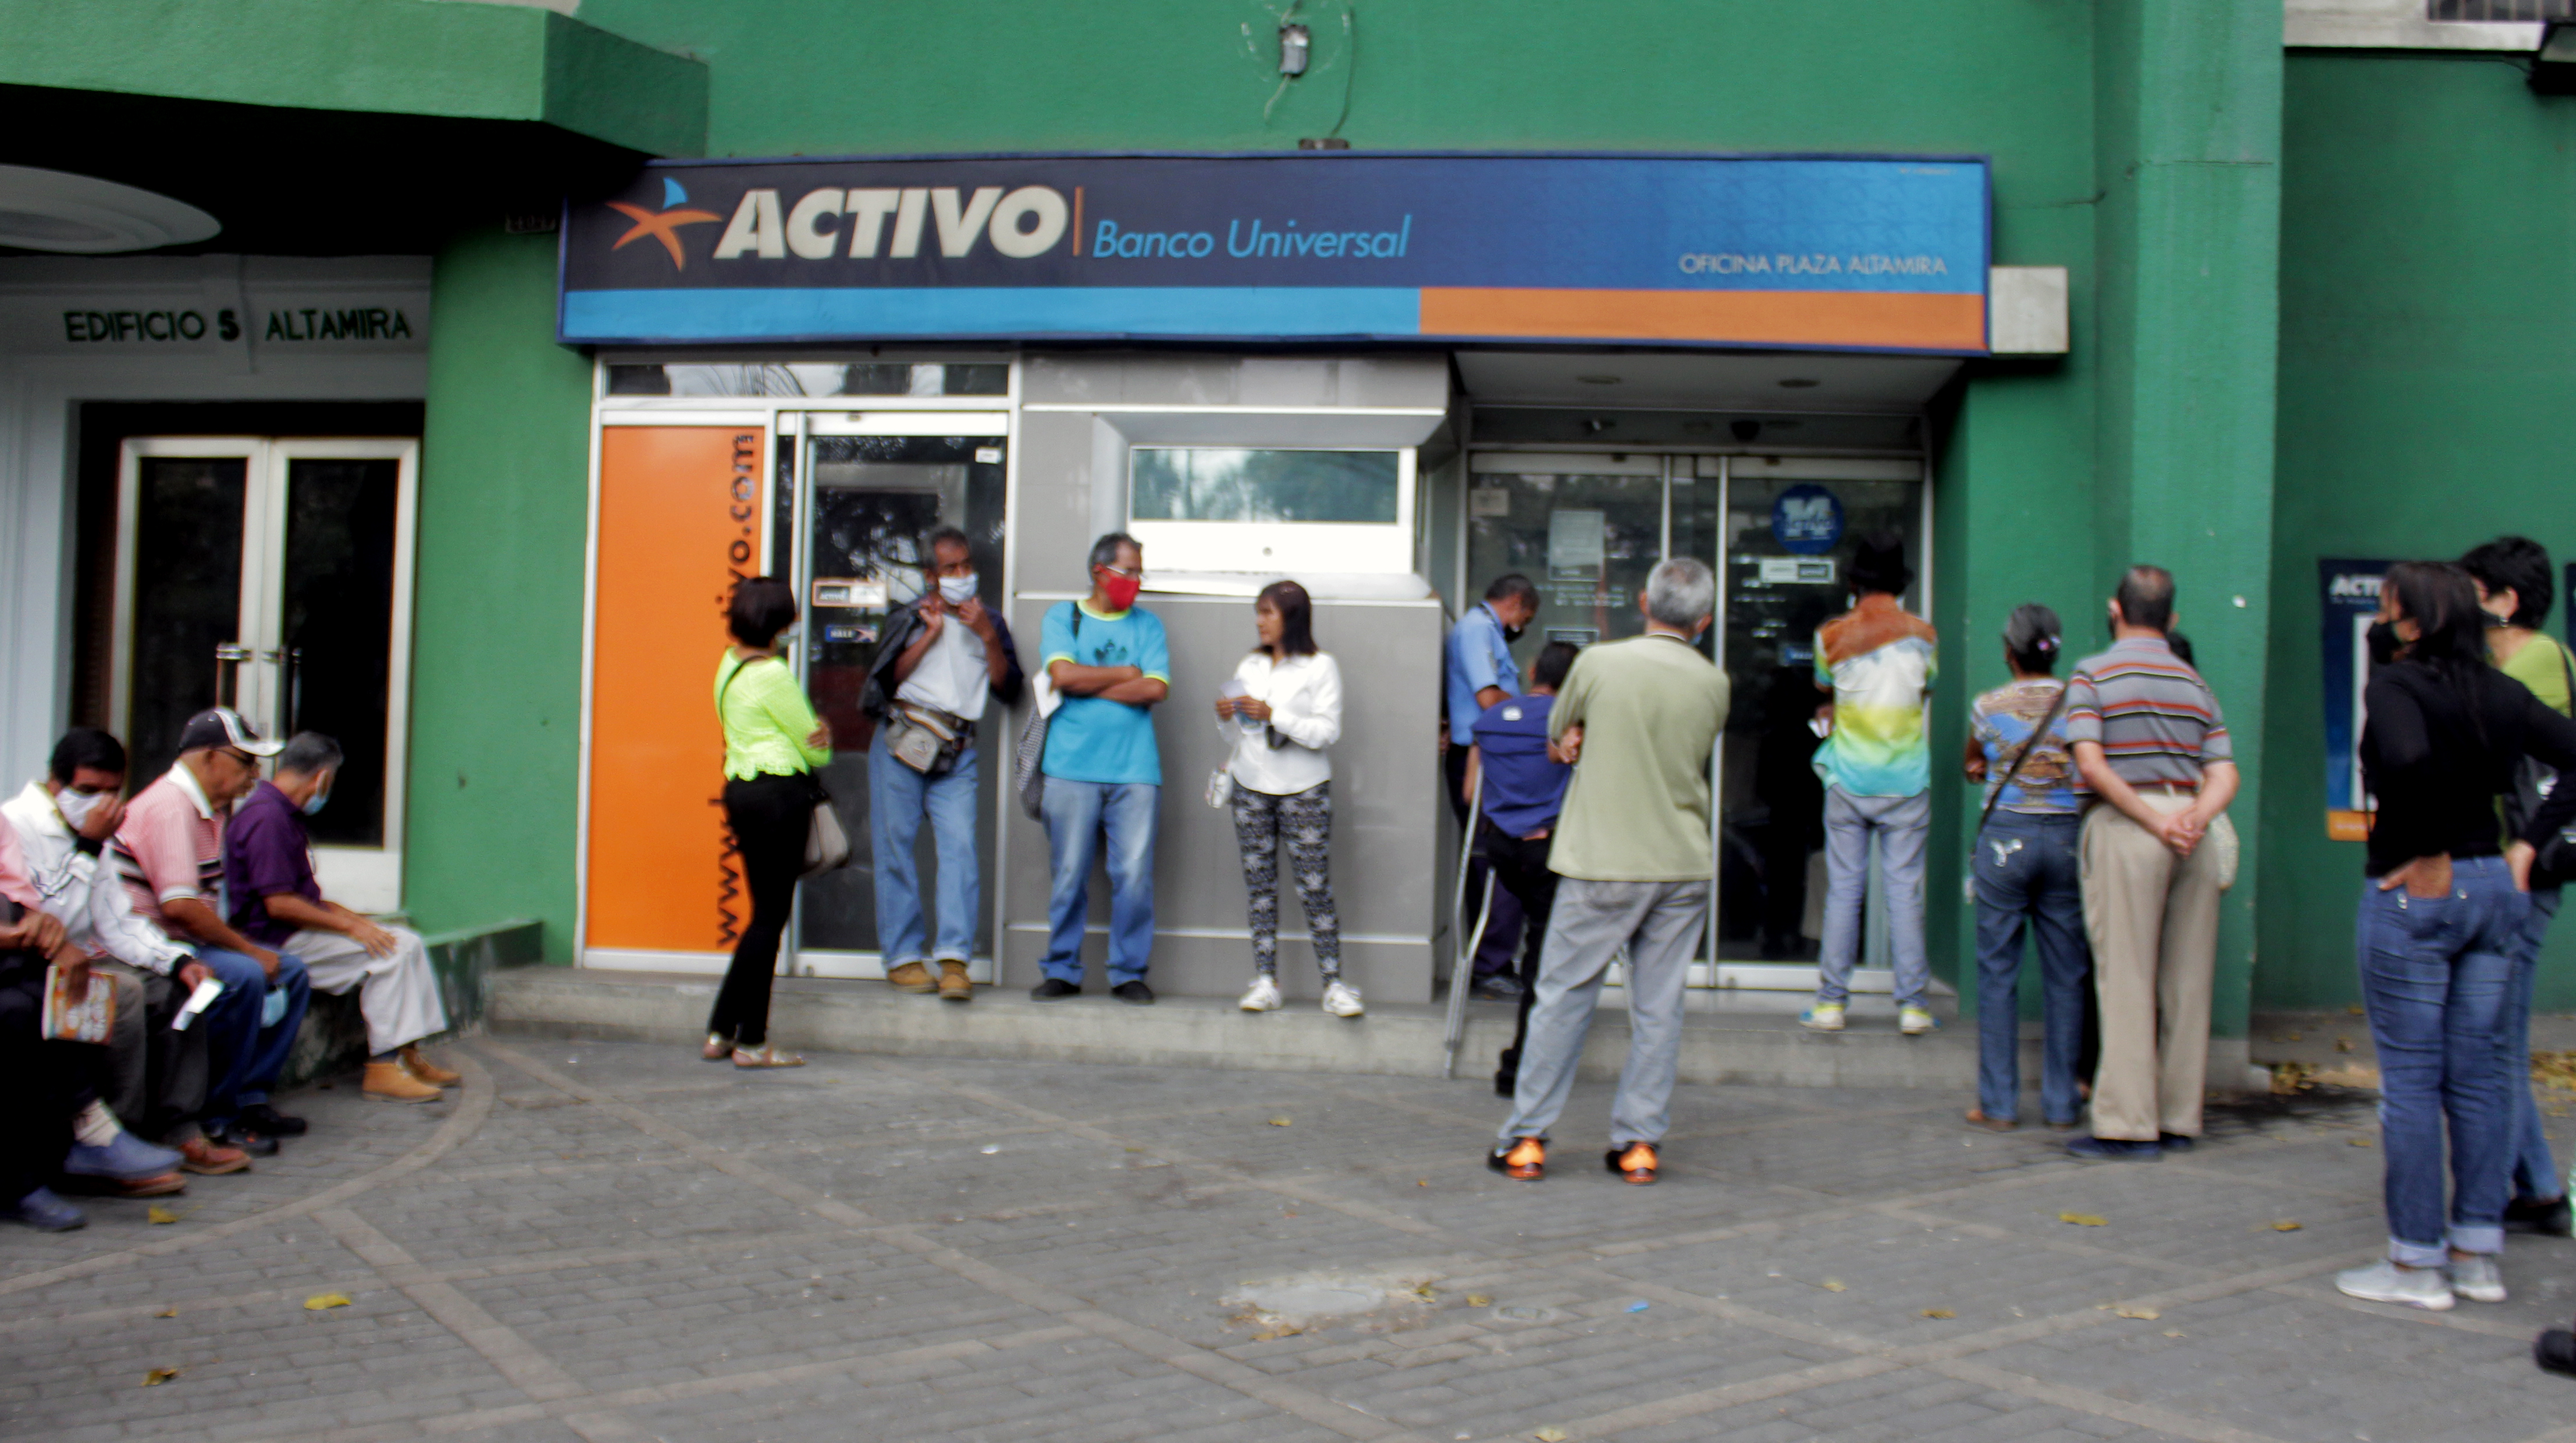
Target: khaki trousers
{"type": "Point", "coordinates": [2153, 920]}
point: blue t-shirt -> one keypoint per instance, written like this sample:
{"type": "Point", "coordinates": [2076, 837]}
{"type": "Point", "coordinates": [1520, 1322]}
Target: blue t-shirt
{"type": "Point", "coordinates": [1478, 657]}
{"type": "Point", "coordinates": [1524, 789]}
{"type": "Point", "coordinates": [1094, 739]}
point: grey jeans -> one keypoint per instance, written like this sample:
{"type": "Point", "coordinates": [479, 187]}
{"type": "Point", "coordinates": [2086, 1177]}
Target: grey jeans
{"type": "Point", "coordinates": [1660, 923]}
{"type": "Point", "coordinates": [1903, 825]}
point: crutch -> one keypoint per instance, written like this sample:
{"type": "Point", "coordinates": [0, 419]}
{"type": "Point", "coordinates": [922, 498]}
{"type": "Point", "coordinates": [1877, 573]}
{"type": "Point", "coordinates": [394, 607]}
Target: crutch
{"type": "Point", "coordinates": [1462, 971]}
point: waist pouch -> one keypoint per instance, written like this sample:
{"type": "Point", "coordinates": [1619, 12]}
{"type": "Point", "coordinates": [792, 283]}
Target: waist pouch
{"type": "Point", "coordinates": [927, 739]}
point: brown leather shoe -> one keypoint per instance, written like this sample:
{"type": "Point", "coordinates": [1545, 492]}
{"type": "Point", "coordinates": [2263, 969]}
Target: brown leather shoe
{"type": "Point", "coordinates": [211, 1159]}
{"type": "Point", "coordinates": [911, 977]}
{"type": "Point", "coordinates": [388, 1082]}
{"type": "Point", "coordinates": [953, 986]}
{"type": "Point", "coordinates": [417, 1063]}
{"type": "Point", "coordinates": [162, 1186]}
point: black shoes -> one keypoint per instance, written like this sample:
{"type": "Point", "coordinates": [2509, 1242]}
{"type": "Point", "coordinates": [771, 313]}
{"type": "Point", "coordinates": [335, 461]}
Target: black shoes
{"type": "Point", "coordinates": [2530, 1215]}
{"type": "Point", "coordinates": [2176, 1142]}
{"type": "Point", "coordinates": [2555, 1352]}
{"type": "Point", "coordinates": [267, 1121]}
{"type": "Point", "coordinates": [1134, 994]}
{"type": "Point", "coordinates": [1054, 990]}
{"type": "Point", "coordinates": [2112, 1149]}
{"type": "Point", "coordinates": [249, 1140]}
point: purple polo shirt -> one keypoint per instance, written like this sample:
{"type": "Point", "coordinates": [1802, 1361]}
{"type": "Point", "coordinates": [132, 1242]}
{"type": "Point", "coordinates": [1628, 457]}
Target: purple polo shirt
{"type": "Point", "coordinates": [265, 853]}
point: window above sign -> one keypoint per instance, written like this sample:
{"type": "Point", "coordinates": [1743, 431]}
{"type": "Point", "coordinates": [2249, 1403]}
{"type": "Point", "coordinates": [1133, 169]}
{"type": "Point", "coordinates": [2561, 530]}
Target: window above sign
{"type": "Point", "coordinates": [1272, 509]}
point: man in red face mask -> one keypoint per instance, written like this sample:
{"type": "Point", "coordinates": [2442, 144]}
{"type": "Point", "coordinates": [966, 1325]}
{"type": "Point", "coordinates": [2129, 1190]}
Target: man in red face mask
{"type": "Point", "coordinates": [1106, 657]}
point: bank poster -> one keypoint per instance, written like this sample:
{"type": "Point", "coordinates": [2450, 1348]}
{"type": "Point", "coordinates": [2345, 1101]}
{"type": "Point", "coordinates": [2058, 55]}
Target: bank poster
{"type": "Point", "coordinates": [2349, 591]}
{"type": "Point", "coordinates": [1882, 253]}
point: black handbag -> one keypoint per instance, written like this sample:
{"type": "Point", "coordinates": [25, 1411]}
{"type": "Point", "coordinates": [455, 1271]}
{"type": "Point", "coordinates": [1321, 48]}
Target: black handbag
{"type": "Point", "coordinates": [2555, 863]}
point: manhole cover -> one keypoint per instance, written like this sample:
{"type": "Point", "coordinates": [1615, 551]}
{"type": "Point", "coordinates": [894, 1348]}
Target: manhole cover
{"type": "Point", "coordinates": [1524, 1313]}
{"type": "Point", "coordinates": [1311, 1300]}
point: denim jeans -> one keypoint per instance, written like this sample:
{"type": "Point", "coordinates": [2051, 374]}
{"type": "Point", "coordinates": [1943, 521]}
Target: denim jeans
{"type": "Point", "coordinates": [898, 798]}
{"type": "Point", "coordinates": [1078, 814]}
{"type": "Point", "coordinates": [243, 1057]}
{"type": "Point", "coordinates": [2533, 1172]}
{"type": "Point", "coordinates": [2436, 974]}
{"type": "Point", "coordinates": [2027, 877]}
{"type": "Point", "coordinates": [1903, 825]}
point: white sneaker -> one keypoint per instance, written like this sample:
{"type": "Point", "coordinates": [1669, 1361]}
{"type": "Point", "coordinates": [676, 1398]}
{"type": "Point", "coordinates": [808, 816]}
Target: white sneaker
{"type": "Point", "coordinates": [2385, 1282]}
{"type": "Point", "coordinates": [2477, 1278]}
{"type": "Point", "coordinates": [1340, 999]}
{"type": "Point", "coordinates": [1263, 996]}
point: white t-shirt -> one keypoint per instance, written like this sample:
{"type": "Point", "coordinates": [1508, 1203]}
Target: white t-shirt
{"type": "Point", "coordinates": [1305, 696]}
{"type": "Point", "coordinates": [951, 675]}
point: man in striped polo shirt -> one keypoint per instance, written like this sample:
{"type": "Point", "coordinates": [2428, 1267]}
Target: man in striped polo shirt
{"type": "Point", "coordinates": [2153, 749]}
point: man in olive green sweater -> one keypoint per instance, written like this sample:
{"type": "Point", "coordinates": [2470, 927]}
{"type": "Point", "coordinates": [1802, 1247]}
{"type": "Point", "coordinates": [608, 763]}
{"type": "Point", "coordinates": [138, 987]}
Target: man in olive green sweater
{"type": "Point", "coordinates": [1638, 719]}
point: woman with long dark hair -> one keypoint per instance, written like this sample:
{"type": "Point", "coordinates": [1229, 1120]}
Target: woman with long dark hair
{"type": "Point", "coordinates": [1285, 707]}
{"type": "Point", "coordinates": [2446, 899]}
{"type": "Point", "coordinates": [773, 742]}
{"type": "Point", "coordinates": [2028, 877]}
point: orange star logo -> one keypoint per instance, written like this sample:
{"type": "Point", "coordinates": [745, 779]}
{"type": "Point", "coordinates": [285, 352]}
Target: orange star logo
{"type": "Point", "coordinates": [663, 226]}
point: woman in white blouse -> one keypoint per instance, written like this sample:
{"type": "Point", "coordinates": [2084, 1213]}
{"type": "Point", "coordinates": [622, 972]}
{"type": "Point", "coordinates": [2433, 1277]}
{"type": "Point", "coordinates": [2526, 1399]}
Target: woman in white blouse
{"type": "Point", "coordinates": [1284, 707]}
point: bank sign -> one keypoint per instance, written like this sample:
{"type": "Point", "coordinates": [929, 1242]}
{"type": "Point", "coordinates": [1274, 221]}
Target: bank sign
{"type": "Point", "coordinates": [1844, 253]}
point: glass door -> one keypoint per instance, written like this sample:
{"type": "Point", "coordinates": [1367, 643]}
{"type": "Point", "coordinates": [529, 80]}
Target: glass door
{"type": "Point", "coordinates": [274, 576]}
{"type": "Point", "coordinates": [871, 490]}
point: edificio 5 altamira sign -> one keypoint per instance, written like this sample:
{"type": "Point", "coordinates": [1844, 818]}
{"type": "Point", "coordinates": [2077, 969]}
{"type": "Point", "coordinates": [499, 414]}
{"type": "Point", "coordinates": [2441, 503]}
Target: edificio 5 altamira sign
{"type": "Point", "coordinates": [1839, 252]}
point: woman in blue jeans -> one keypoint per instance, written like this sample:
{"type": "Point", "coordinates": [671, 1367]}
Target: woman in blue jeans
{"type": "Point", "coordinates": [2027, 878]}
{"type": "Point", "coordinates": [2440, 920]}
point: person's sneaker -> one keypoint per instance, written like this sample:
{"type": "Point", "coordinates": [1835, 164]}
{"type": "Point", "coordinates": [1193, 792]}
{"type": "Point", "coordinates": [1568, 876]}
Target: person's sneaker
{"type": "Point", "coordinates": [1496, 987]}
{"type": "Point", "coordinates": [1823, 1017]}
{"type": "Point", "coordinates": [1054, 989]}
{"type": "Point", "coordinates": [1634, 1163]}
{"type": "Point", "coordinates": [2113, 1149]}
{"type": "Point", "coordinates": [1262, 995]}
{"type": "Point", "coordinates": [1524, 1161]}
{"type": "Point", "coordinates": [388, 1082]}
{"type": "Point", "coordinates": [1134, 994]}
{"type": "Point", "coordinates": [1914, 1021]}
{"type": "Point", "coordinates": [122, 1158]}
{"type": "Point", "coordinates": [208, 1158]}
{"type": "Point", "coordinates": [954, 984]}
{"type": "Point", "coordinates": [2477, 1278]}
{"type": "Point", "coordinates": [2547, 1217]}
{"type": "Point", "coordinates": [235, 1134]}
{"type": "Point", "coordinates": [2385, 1282]}
{"type": "Point", "coordinates": [44, 1212]}
{"type": "Point", "coordinates": [1342, 999]}
{"type": "Point", "coordinates": [417, 1063]}
{"type": "Point", "coordinates": [911, 977]}
{"type": "Point", "coordinates": [267, 1121]}
{"type": "Point", "coordinates": [2176, 1142]}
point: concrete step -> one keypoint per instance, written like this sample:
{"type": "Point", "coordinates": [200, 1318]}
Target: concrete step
{"type": "Point", "coordinates": [1738, 1037]}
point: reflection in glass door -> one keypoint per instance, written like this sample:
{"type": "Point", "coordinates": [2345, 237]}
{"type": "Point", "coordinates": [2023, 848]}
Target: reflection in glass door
{"type": "Point", "coordinates": [868, 500]}
{"type": "Point", "coordinates": [275, 577]}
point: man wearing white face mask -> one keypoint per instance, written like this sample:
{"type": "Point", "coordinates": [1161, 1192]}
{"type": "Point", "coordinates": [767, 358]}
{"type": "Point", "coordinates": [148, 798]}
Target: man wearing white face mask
{"type": "Point", "coordinates": [938, 662]}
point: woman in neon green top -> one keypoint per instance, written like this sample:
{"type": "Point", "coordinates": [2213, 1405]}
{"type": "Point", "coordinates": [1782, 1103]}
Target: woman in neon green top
{"type": "Point", "coordinates": [773, 741]}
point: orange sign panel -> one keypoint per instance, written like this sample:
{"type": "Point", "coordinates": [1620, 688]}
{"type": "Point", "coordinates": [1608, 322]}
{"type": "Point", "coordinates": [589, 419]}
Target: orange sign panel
{"type": "Point", "coordinates": [678, 512]}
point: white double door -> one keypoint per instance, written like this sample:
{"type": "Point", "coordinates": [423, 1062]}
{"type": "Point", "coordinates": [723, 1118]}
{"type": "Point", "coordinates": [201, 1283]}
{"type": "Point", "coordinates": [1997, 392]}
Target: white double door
{"type": "Point", "coordinates": [275, 576]}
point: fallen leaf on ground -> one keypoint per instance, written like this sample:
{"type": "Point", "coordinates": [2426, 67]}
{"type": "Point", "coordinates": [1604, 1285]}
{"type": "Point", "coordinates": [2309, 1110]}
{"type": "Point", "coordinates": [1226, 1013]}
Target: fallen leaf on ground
{"type": "Point", "coordinates": [1422, 1291]}
{"type": "Point", "coordinates": [2361, 1142]}
{"type": "Point", "coordinates": [2289, 1037]}
{"type": "Point", "coordinates": [2286, 1225]}
{"type": "Point", "coordinates": [319, 1301]}
{"type": "Point", "coordinates": [2554, 1069]}
{"type": "Point", "coordinates": [2085, 1220]}
{"type": "Point", "coordinates": [167, 1313]}
{"type": "Point", "coordinates": [1832, 1285]}
{"type": "Point", "coordinates": [159, 1376]}
{"type": "Point", "coordinates": [1479, 1300]}
{"type": "Point", "coordinates": [2343, 1044]}
{"type": "Point", "coordinates": [2354, 1010]}
{"type": "Point", "coordinates": [160, 1214]}
{"type": "Point", "coordinates": [1426, 1182]}
{"type": "Point", "coordinates": [1938, 1313]}
{"type": "Point", "coordinates": [1278, 1332]}
{"type": "Point", "coordinates": [2289, 1077]}
{"type": "Point", "coordinates": [1550, 1434]}
{"type": "Point", "coordinates": [2173, 1332]}
{"type": "Point", "coordinates": [2143, 1315]}
{"type": "Point", "coordinates": [1278, 1122]}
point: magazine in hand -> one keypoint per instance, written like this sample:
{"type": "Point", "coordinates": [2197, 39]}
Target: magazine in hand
{"type": "Point", "coordinates": [86, 1020]}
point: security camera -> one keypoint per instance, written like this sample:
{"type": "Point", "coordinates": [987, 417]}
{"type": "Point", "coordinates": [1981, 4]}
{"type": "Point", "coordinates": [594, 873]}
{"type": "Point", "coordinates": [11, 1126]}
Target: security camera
{"type": "Point", "coordinates": [1745, 430]}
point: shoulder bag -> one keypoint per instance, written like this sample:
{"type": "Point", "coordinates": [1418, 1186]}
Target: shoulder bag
{"type": "Point", "coordinates": [2038, 734]}
{"type": "Point", "coordinates": [2555, 865]}
{"type": "Point", "coordinates": [1027, 775]}
{"type": "Point", "coordinates": [827, 841]}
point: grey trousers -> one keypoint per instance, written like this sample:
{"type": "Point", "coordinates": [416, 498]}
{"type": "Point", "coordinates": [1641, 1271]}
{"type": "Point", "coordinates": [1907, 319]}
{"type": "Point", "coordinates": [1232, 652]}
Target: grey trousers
{"type": "Point", "coordinates": [158, 1076]}
{"type": "Point", "coordinates": [1903, 825]}
{"type": "Point", "coordinates": [1660, 923]}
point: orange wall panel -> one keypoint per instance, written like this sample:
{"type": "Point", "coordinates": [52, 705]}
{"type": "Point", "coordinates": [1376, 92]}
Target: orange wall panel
{"type": "Point", "coordinates": [678, 507]}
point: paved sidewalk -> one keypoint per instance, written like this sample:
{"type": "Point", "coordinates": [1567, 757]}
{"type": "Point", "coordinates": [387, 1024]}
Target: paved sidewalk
{"type": "Point", "coordinates": [618, 1242]}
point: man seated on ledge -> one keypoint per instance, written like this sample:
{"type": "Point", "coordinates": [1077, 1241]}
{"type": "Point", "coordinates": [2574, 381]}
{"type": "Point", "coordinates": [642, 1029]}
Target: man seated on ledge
{"type": "Point", "coordinates": [268, 866]}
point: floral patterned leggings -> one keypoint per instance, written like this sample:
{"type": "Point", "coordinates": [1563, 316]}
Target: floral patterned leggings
{"type": "Point", "coordinates": [1303, 821]}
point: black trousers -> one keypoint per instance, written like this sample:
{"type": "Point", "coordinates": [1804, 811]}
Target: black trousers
{"type": "Point", "coordinates": [1520, 869]}
{"type": "Point", "coordinates": [770, 816]}
{"type": "Point", "coordinates": [1504, 928]}
{"type": "Point", "coordinates": [42, 1083]}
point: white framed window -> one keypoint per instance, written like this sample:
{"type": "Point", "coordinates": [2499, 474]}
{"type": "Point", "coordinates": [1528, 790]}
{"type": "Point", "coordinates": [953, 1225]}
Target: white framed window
{"type": "Point", "coordinates": [1272, 509]}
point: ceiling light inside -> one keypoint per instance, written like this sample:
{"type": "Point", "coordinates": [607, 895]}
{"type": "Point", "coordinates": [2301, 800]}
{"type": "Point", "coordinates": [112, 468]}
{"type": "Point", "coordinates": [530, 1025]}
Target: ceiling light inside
{"type": "Point", "coordinates": [53, 210]}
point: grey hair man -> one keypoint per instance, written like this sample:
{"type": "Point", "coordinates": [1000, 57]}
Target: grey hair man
{"type": "Point", "coordinates": [1637, 719]}
{"type": "Point", "coordinates": [268, 872]}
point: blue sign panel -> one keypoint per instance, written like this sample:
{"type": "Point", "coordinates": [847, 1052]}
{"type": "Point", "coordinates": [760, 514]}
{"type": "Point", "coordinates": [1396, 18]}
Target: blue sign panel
{"type": "Point", "coordinates": [1833, 252]}
{"type": "Point", "coordinates": [1807, 520]}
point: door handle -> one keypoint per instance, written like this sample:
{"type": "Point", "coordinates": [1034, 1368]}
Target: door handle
{"type": "Point", "coordinates": [229, 655]}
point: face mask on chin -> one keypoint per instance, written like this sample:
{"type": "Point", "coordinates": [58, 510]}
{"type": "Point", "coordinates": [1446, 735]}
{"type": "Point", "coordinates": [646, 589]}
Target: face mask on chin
{"type": "Point", "coordinates": [78, 807]}
{"type": "Point", "coordinates": [314, 803]}
{"type": "Point", "coordinates": [957, 590]}
{"type": "Point", "coordinates": [2384, 642]}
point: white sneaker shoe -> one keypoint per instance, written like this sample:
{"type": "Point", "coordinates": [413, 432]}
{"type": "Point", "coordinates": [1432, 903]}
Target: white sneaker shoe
{"type": "Point", "coordinates": [1263, 996]}
{"type": "Point", "coordinates": [2385, 1282]}
{"type": "Point", "coordinates": [1341, 999]}
{"type": "Point", "coordinates": [2477, 1278]}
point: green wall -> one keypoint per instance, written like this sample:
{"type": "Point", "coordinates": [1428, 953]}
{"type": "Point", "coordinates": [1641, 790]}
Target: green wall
{"type": "Point", "coordinates": [2428, 349]}
{"type": "Point", "coordinates": [496, 648]}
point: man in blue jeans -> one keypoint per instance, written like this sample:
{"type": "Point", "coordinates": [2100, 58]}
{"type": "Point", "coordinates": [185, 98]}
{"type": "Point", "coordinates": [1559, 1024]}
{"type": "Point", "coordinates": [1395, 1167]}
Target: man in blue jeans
{"type": "Point", "coordinates": [1108, 660]}
{"type": "Point", "coordinates": [941, 657]}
